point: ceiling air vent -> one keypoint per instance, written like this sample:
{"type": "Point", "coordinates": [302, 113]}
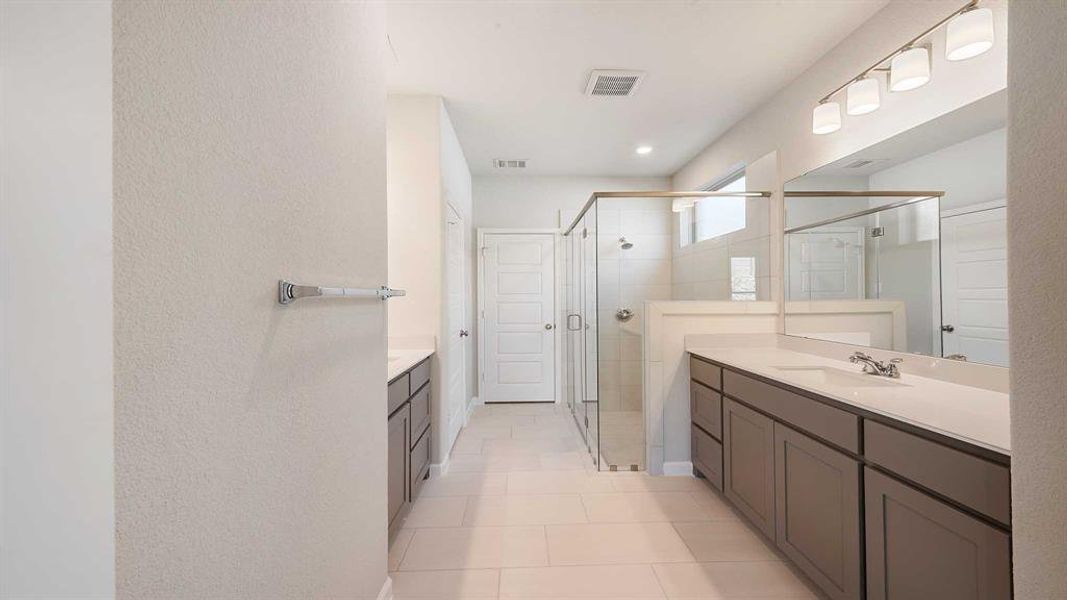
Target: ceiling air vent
{"type": "Point", "coordinates": [863, 162]}
{"type": "Point", "coordinates": [613, 82]}
{"type": "Point", "coordinates": [509, 163]}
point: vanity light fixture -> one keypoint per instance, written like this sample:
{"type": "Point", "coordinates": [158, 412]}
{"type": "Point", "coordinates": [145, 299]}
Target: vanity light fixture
{"type": "Point", "coordinates": [910, 69]}
{"type": "Point", "coordinates": [643, 150]}
{"type": "Point", "coordinates": [863, 96]}
{"type": "Point", "coordinates": [969, 33]}
{"type": "Point", "coordinates": [826, 118]}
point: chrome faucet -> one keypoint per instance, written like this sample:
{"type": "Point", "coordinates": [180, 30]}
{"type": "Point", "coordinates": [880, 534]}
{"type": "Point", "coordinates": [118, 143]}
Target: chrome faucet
{"type": "Point", "coordinates": [874, 367]}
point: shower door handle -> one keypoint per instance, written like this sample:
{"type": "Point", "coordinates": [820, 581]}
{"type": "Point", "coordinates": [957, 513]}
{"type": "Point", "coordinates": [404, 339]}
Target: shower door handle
{"type": "Point", "coordinates": [577, 327]}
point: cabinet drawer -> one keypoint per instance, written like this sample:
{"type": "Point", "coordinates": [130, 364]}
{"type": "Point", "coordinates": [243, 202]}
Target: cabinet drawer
{"type": "Point", "coordinates": [420, 413]}
{"type": "Point", "coordinates": [978, 484]}
{"type": "Point", "coordinates": [920, 547]}
{"type": "Point", "coordinates": [705, 409]}
{"type": "Point", "coordinates": [706, 373]}
{"type": "Point", "coordinates": [420, 463]}
{"type": "Point", "coordinates": [831, 424]}
{"type": "Point", "coordinates": [420, 375]}
{"type": "Point", "coordinates": [707, 456]}
{"type": "Point", "coordinates": [398, 392]}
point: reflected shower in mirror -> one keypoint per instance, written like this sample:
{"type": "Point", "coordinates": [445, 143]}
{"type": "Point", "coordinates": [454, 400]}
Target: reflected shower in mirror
{"type": "Point", "coordinates": [901, 246]}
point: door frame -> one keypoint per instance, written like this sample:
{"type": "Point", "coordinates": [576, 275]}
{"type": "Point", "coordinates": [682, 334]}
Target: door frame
{"type": "Point", "coordinates": [557, 339]}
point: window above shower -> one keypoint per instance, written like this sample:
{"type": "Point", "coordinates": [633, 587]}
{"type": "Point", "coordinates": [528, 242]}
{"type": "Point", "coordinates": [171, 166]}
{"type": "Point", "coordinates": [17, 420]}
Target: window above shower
{"type": "Point", "coordinates": [714, 217]}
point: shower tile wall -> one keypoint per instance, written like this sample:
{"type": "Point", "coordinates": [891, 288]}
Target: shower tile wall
{"type": "Point", "coordinates": [705, 271]}
{"type": "Point", "coordinates": [627, 279]}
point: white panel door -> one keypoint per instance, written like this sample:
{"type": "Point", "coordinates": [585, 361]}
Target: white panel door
{"type": "Point", "coordinates": [826, 264]}
{"type": "Point", "coordinates": [974, 286]}
{"type": "Point", "coordinates": [519, 322]}
{"type": "Point", "coordinates": [456, 254]}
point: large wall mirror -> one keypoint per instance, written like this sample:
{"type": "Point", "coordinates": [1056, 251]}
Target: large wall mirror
{"type": "Point", "coordinates": [902, 246]}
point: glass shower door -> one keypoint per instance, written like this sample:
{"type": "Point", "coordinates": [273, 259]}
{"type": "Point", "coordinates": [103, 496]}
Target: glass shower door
{"type": "Point", "coordinates": [580, 345]}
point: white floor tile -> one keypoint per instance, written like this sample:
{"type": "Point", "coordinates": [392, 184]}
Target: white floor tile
{"type": "Point", "coordinates": [540, 509]}
{"type": "Point", "coordinates": [478, 583]}
{"type": "Point", "coordinates": [731, 579]}
{"type": "Point", "coordinates": [629, 581]}
{"type": "Point", "coordinates": [615, 543]}
{"type": "Point", "coordinates": [475, 548]}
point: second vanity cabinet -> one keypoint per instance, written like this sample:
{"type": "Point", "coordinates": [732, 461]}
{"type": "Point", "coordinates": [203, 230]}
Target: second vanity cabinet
{"type": "Point", "coordinates": [408, 440]}
{"type": "Point", "coordinates": [865, 506]}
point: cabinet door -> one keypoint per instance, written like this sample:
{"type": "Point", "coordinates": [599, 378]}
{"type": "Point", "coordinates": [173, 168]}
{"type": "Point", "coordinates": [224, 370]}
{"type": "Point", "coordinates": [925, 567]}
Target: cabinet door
{"type": "Point", "coordinates": [748, 463]}
{"type": "Point", "coordinates": [817, 501]}
{"type": "Point", "coordinates": [398, 464]}
{"type": "Point", "coordinates": [919, 547]}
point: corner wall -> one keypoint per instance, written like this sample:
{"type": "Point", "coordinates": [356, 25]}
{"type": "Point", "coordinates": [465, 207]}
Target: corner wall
{"type": "Point", "coordinates": [57, 536]}
{"type": "Point", "coordinates": [1037, 286]}
{"type": "Point", "coordinates": [250, 438]}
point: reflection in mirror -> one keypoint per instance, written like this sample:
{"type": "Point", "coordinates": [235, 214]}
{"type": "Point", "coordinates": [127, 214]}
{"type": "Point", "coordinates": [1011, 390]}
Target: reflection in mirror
{"type": "Point", "coordinates": [868, 264]}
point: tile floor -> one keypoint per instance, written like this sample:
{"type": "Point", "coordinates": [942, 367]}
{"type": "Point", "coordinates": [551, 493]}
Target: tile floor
{"type": "Point", "coordinates": [522, 514]}
{"type": "Point", "coordinates": [622, 438]}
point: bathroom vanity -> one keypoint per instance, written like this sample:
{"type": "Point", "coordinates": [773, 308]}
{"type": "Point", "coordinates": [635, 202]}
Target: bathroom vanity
{"type": "Point", "coordinates": [877, 488]}
{"type": "Point", "coordinates": [409, 435]}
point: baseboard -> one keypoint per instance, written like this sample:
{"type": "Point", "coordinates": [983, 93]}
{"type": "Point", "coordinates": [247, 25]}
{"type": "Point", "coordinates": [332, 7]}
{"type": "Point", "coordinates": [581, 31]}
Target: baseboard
{"type": "Point", "coordinates": [439, 469]}
{"type": "Point", "coordinates": [475, 401]}
{"type": "Point", "coordinates": [678, 469]}
{"type": "Point", "coordinates": [386, 592]}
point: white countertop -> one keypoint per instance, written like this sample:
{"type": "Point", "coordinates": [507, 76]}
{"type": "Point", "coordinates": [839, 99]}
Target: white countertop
{"type": "Point", "coordinates": [402, 360]}
{"type": "Point", "coordinates": [978, 416]}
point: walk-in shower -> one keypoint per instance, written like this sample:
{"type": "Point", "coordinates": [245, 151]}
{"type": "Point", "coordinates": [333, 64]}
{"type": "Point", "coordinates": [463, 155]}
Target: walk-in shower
{"type": "Point", "coordinates": [618, 256]}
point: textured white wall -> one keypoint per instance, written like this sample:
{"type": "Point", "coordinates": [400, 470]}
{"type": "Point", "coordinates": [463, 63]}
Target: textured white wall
{"type": "Point", "coordinates": [427, 169]}
{"type": "Point", "coordinates": [415, 214]}
{"type": "Point", "coordinates": [249, 437]}
{"type": "Point", "coordinates": [1037, 286]}
{"type": "Point", "coordinates": [56, 449]}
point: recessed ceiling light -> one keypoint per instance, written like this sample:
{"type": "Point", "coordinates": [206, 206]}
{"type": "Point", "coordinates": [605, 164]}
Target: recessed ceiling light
{"type": "Point", "coordinates": [642, 150]}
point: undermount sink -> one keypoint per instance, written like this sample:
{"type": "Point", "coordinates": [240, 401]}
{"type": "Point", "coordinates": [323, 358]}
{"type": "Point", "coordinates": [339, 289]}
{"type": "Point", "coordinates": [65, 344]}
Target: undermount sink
{"type": "Point", "coordinates": [837, 377]}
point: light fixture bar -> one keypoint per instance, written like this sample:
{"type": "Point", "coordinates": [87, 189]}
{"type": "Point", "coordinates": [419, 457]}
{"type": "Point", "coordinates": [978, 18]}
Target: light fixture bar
{"type": "Point", "coordinates": [876, 66]}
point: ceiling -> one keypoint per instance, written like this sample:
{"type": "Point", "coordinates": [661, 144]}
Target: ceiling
{"type": "Point", "coordinates": [513, 73]}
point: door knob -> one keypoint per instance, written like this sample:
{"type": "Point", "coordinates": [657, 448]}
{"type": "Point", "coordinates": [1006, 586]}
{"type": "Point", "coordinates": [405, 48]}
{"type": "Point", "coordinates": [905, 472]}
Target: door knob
{"type": "Point", "coordinates": [948, 328]}
{"type": "Point", "coordinates": [463, 333]}
{"type": "Point", "coordinates": [549, 325]}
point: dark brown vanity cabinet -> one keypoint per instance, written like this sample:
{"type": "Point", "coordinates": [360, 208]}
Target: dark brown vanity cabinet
{"type": "Point", "coordinates": [409, 438]}
{"type": "Point", "coordinates": [817, 512]}
{"type": "Point", "coordinates": [864, 505]}
{"type": "Point", "coordinates": [919, 547]}
{"type": "Point", "coordinates": [397, 454]}
{"type": "Point", "coordinates": [748, 463]}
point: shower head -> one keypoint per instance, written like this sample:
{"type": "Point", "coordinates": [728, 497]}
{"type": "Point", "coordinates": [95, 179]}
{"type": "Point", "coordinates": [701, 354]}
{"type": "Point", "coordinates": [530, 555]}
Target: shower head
{"type": "Point", "coordinates": [624, 244]}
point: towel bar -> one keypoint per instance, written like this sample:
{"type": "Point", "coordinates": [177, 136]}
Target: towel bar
{"type": "Point", "coordinates": [289, 292]}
